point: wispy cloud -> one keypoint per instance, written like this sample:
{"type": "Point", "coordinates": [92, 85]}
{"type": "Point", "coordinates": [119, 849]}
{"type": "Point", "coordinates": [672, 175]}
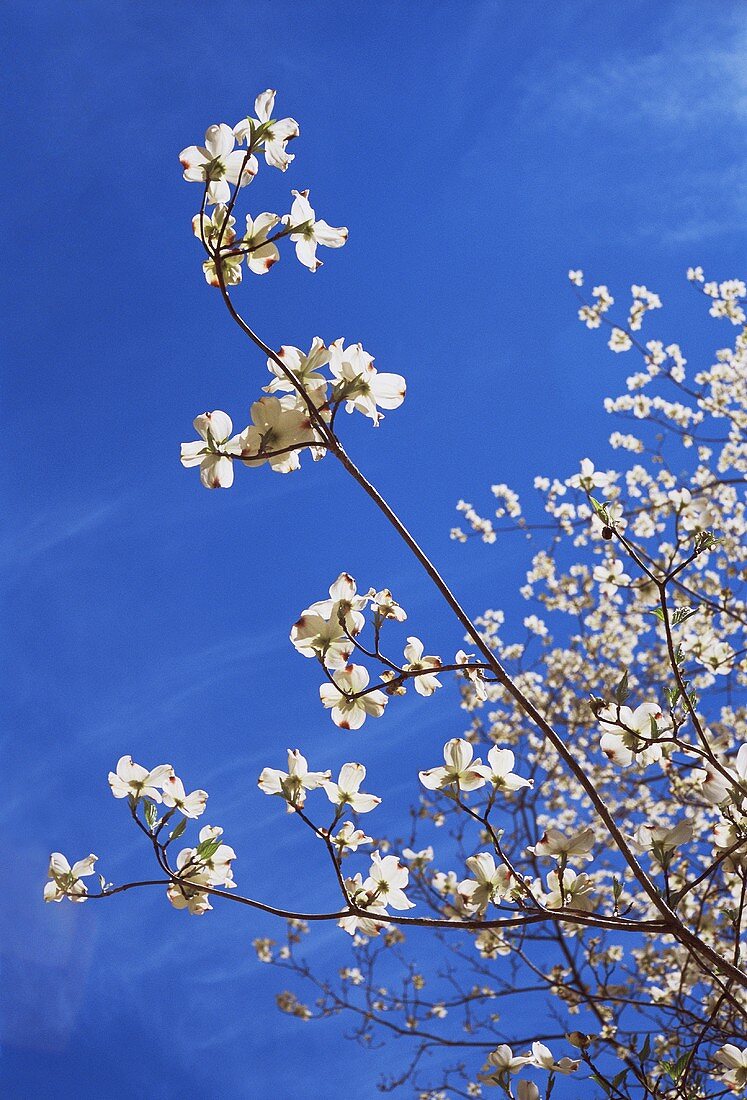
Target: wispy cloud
{"type": "Point", "coordinates": [23, 544]}
{"type": "Point", "coordinates": [676, 111]}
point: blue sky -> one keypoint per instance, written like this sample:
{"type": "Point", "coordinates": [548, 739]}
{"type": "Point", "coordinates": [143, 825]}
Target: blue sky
{"type": "Point", "coordinates": [476, 152]}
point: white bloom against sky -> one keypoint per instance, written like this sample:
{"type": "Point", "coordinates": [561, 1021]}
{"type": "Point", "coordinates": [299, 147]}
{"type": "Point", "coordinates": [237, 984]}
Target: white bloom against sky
{"type": "Point", "coordinates": [218, 163]}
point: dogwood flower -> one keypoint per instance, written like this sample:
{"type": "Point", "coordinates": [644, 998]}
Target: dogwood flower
{"type": "Point", "coordinates": [305, 366]}
{"type": "Point", "coordinates": [556, 845]}
{"type": "Point", "coordinates": [500, 765]}
{"type": "Point", "coordinates": [344, 593]}
{"type": "Point", "coordinates": [133, 781]}
{"type": "Point", "coordinates": [716, 654]}
{"type": "Point", "coordinates": [275, 428]}
{"type": "Point", "coordinates": [621, 742]}
{"type": "Point", "coordinates": [315, 636]}
{"type": "Point", "coordinates": [174, 795]}
{"type": "Point", "coordinates": [209, 227]}
{"type": "Point", "coordinates": [215, 451]}
{"type": "Point", "coordinates": [716, 787]}
{"type": "Point", "coordinates": [230, 266]}
{"type": "Point", "coordinates": [386, 880]}
{"type": "Point", "coordinates": [527, 1090]}
{"type": "Point", "coordinates": [360, 385]}
{"type": "Point", "coordinates": [384, 606]}
{"type": "Point", "coordinates": [307, 232]}
{"type": "Point", "coordinates": [349, 838]}
{"type": "Point", "coordinates": [350, 713]}
{"type": "Point", "coordinates": [588, 478]}
{"type": "Point", "coordinates": [543, 1059]}
{"type": "Point", "coordinates": [490, 884]}
{"type": "Point", "coordinates": [362, 898]}
{"type": "Point", "coordinates": [210, 861]}
{"type": "Point", "coordinates": [460, 769]}
{"type": "Point", "coordinates": [187, 895]}
{"type": "Point", "coordinates": [65, 880]}
{"type": "Point", "coordinates": [504, 1060]}
{"type": "Point", "coordinates": [325, 627]}
{"type": "Point", "coordinates": [475, 676]}
{"type": "Point", "coordinates": [261, 254]}
{"type": "Point", "coordinates": [416, 662]}
{"type": "Point", "coordinates": [207, 865]}
{"type": "Point", "coordinates": [610, 576]}
{"type": "Point", "coordinates": [293, 784]}
{"type": "Point", "coordinates": [570, 890]}
{"type": "Point", "coordinates": [660, 840]}
{"type": "Point", "coordinates": [273, 135]}
{"type": "Point", "coordinates": [210, 230]}
{"type": "Point", "coordinates": [418, 859]}
{"type": "Point", "coordinates": [735, 1060]}
{"type": "Point", "coordinates": [218, 164]}
{"type": "Point", "coordinates": [346, 791]}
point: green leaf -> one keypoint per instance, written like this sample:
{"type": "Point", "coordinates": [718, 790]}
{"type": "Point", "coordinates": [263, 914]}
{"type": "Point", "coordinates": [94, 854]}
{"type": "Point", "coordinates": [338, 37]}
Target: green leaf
{"type": "Point", "coordinates": [658, 612]}
{"type": "Point", "coordinates": [682, 614]}
{"type": "Point", "coordinates": [208, 848]}
{"type": "Point", "coordinates": [150, 811]}
{"type": "Point", "coordinates": [178, 830]}
{"type": "Point", "coordinates": [621, 691]}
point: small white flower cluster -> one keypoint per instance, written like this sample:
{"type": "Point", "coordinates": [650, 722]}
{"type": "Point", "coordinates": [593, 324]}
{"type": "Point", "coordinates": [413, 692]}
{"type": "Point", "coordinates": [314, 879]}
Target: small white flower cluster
{"type": "Point", "coordinates": [198, 870]}
{"type": "Point", "coordinates": [631, 736]}
{"type": "Point", "coordinates": [387, 875]}
{"type": "Point", "coordinates": [502, 1064]}
{"type": "Point", "coordinates": [281, 427]}
{"type": "Point", "coordinates": [327, 631]}
{"type": "Point", "coordinates": [480, 526]}
{"type": "Point", "coordinates": [726, 300]}
{"type": "Point", "coordinates": [217, 164]}
{"type": "Point", "coordinates": [293, 785]}
{"type": "Point", "coordinates": [643, 301]}
{"type": "Point", "coordinates": [160, 784]}
{"type": "Point", "coordinates": [592, 315]}
{"type": "Point", "coordinates": [302, 416]}
{"type": "Point", "coordinates": [461, 773]}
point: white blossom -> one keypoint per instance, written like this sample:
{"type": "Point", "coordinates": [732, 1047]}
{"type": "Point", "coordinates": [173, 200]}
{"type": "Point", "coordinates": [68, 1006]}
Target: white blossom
{"type": "Point", "coordinates": [261, 254]}
{"type": "Point", "coordinates": [346, 791]}
{"type": "Point", "coordinates": [308, 232]}
{"type": "Point", "coordinates": [360, 385]}
{"type": "Point", "coordinates": [349, 712]}
{"type": "Point", "coordinates": [500, 771]}
{"type": "Point", "coordinates": [460, 770]}
{"type": "Point", "coordinates": [490, 884]}
{"type": "Point", "coordinates": [555, 844]}
{"type": "Point", "coordinates": [134, 781]}
{"type": "Point", "coordinates": [175, 796]}
{"type": "Point", "coordinates": [217, 163]}
{"type": "Point", "coordinates": [65, 881]}
{"type": "Point", "coordinates": [215, 451]}
{"type": "Point", "coordinates": [427, 682]}
{"type": "Point", "coordinates": [293, 784]}
{"type": "Point", "coordinates": [274, 134]}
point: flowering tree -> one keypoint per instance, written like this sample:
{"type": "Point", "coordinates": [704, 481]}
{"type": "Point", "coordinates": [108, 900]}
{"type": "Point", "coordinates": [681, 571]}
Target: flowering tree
{"type": "Point", "coordinates": [583, 847]}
